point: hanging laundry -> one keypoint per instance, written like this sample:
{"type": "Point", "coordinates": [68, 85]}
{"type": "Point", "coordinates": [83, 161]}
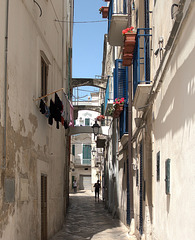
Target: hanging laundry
{"type": "Point", "coordinates": [42, 107]}
{"type": "Point", "coordinates": [71, 116]}
{"type": "Point", "coordinates": [47, 111]}
{"type": "Point", "coordinates": [65, 114]}
{"type": "Point", "coordinates": [52, 112]}
{"type": "Point", "coordinates": [58, 109]}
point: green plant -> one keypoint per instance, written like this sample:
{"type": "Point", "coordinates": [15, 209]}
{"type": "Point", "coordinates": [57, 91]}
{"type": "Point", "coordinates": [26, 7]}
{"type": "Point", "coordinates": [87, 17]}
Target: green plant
{"type": "Point", "coordinates": [111, 110]}
{"type": "Point", "coordinates": [101, 9]}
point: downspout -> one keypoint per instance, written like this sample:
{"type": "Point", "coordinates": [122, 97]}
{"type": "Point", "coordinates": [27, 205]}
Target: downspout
{"type": "Point", "coordinates": [5, 88]}
{"type": "Point", "coordinates": [130, 127]}
{"type": "Point", "coordinates": [63, 44]}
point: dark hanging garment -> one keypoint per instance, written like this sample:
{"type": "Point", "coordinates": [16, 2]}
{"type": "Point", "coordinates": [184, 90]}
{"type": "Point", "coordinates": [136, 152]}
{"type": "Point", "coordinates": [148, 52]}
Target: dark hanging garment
{"type": "Point", "coordinates": [52, 112]}
{"type": "Point", "coordinates": [42, 107]}
{"type": "Point", "coordinates": [58, 102]}
{"type": "Point", "coordinates": [66, 125]}
{"type": "Point", "coordinates": [58, 109]}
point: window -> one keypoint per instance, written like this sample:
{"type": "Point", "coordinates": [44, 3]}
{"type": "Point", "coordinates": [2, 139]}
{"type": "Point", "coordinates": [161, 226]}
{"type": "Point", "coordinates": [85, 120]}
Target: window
{"type": "Point", "coordinates": [73, 150]}
{"type": "Point", "coordinates": [87, 154]}
{"type": "Point", "coordinates": [44, 77]}
{"type": "Point", "coordinates": [87, 121]}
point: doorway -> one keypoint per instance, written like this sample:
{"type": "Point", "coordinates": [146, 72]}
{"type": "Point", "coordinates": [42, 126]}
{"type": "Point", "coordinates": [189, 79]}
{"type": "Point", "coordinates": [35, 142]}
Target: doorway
{"type": "Point", "coordinates": [43, 207]}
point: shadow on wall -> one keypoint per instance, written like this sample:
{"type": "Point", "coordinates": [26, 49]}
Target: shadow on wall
{"type": "Point", "coordinates": [175, 112]}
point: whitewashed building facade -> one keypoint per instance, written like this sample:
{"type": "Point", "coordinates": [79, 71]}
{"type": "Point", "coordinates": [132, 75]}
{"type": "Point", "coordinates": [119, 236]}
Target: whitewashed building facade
{"type": "Point", "coordinates": [35, 50]}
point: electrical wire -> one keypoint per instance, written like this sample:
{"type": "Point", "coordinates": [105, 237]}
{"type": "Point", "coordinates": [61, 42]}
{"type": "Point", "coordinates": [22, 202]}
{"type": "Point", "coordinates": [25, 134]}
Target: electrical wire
{"type": "Point", "coordinates": [97, 21]}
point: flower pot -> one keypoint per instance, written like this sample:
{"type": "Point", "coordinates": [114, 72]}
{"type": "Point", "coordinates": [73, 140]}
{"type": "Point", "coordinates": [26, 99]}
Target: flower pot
{"type": "Point", "coordinates": [105, 12]}
{"type": "Point", "coordinates": [118, 110]}
{"type": "Point", "coordinates": [106, 0]}
{"type": "Point", "coordinates": [127, 59]}
{"type": "Point", "coordinates": [129, 41]}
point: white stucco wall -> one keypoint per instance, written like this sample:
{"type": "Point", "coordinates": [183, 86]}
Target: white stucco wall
{"type": "Point", "coordinates": [174, 136]}
{"type": "Point", "coordinates": [33, 146]}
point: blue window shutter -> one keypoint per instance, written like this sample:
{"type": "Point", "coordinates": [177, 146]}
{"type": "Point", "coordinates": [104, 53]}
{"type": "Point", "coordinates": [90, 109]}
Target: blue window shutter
{"type": "Point", "coordinates": [167, 176]}
{"type": "Point", "coordinates": [115, 85]}
{"type": "Point", "coordinates": [87, 152]}
{"type": "Point", "coordinates": [120, 80]}
{"type": "Point", "coordinates": [87, 121]}
{"type": "Point", "coordinates": [124, 121]}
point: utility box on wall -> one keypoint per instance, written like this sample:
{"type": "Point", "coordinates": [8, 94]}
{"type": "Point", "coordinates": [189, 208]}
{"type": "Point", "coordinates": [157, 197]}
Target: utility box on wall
{"type": "Point", "coordinates": [9, 190]}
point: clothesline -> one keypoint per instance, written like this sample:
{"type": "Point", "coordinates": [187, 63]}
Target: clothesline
{"type": "Point", "coordinates": [49, 94]}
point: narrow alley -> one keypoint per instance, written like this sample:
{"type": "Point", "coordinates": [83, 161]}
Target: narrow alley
{"type": "Point", "coordinates": [88, 219]}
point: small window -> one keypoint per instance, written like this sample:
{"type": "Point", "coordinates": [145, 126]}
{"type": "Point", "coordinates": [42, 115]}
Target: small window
{"type": "Point", "coordinates": [44, 77]}
{"type": "Point", "coordinates": [87, 121]}
{"type": "Point", "coordinates": [87, 154]}
{"type": "Point", "coordinates": [158, 166]}
{"type": "Point", "coordinates": [73, 150]}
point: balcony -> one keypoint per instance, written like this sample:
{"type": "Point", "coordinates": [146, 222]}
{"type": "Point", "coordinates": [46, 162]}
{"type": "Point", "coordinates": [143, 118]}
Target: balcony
{"type": "Point", "coordinates": [141, 68]}
{"type": "Point", "coordinates": [117, 21]}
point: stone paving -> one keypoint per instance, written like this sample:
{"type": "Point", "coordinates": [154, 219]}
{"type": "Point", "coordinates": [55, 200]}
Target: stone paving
{"type": "Point", "coordinates": [87, 219]}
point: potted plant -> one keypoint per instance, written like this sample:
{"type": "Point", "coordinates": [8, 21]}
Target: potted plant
{"type": "Point", "coordinates": [111, 110]}
{"type": "Point", "coordinates": [118, 107]}
{"type": "Point", "coordinates": [104, 11]}
{"type": "Point", "coordinates": [129, 45]}
{"type": "Point", "coordinates": [127, 59]}
{"type": "Point", "coordinates": [100, 117]}
{"type": "Point", "coordinates": [129, 39]}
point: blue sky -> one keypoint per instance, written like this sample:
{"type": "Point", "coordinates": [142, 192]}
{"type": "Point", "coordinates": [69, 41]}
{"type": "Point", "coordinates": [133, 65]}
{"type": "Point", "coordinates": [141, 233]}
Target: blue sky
{"type": "Point", "coordinates": [88, 38]}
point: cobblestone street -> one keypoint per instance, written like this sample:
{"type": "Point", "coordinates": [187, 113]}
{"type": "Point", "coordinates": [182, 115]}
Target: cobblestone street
{"type": "Point", "coordinates": [87, 219]}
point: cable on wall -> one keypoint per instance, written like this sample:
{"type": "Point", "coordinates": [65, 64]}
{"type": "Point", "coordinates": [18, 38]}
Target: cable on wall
{"type": "Point", "coordinates": [39, 7]}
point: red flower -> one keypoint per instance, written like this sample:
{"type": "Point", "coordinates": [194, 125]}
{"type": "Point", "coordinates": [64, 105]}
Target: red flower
{"type": "Point", "coordinates": [127, 30]}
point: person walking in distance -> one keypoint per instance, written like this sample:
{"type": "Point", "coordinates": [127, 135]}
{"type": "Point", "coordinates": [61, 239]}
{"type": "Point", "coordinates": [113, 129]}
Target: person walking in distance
{"type": "Point", "coordinates": [75, 186]}
{"type": "Point", "coordinates": [97, 189]}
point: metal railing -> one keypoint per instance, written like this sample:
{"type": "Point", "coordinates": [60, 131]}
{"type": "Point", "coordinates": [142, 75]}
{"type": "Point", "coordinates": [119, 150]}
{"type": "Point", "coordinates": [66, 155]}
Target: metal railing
{"type": "Point", "coordinates": [116, 7]}
{"type": "Point", "coordinates": [141, 57]}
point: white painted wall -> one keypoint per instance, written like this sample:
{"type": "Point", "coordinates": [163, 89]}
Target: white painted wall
{"type": "Point", "coordinates": [33, 146]}
{"type": "Point", "coordinates": [174, 137]}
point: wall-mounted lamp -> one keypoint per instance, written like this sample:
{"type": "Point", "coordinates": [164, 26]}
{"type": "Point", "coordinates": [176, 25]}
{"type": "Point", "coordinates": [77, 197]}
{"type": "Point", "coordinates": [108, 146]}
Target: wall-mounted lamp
{"type": "Point", "coordinates": [96, 128]}
{"type": "Point", "coordinates": [172, 8]}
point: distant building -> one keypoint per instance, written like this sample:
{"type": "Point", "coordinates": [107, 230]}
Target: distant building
{"type": "Point", "coordinates": [85, 167]}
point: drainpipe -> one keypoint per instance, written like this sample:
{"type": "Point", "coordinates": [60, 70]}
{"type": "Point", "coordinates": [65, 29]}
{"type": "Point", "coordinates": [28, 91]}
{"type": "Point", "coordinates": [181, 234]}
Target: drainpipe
{"type": "Point", "coordinates": [130, 127]}
{"type": "Point", "coordinates": [5, 88]}
{"type": "Point", "coordinates": [63, 44]}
